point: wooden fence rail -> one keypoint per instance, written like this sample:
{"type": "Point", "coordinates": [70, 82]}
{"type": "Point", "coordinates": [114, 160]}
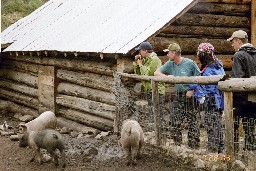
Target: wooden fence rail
{"type": "Point", "coordinates": [228, 86]}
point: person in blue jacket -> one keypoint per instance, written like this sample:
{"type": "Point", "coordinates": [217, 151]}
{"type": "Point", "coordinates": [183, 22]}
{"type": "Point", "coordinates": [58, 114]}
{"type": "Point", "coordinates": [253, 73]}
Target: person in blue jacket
{"type": "Point", "coordinates": [210, 97]}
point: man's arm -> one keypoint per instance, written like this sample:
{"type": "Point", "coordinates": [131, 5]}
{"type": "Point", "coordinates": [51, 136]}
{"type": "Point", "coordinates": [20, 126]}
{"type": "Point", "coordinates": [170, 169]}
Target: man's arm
{"type": "Point", "coordinates": [158, 72]}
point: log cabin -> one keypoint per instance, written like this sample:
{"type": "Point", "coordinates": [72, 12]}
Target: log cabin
{"type": "Point", "coordinates": [62, 57]}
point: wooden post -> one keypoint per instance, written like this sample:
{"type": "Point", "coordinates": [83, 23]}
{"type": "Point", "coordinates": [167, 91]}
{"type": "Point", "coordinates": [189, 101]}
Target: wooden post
{"type": "Point", "coordinates": [117, 93]}
{"type": "Point", "coordinates": [123, 65]}
{"type": "Point", "coordinates": [46, 88]}
{"type": "Point", "coordinates": [229, 127]}
{"type": "Point", "coordinates": [117, 121]}
{"type": "Point", "coordinates": [156, 111]}
{"type": "Point", "coordinates": [253, 22]}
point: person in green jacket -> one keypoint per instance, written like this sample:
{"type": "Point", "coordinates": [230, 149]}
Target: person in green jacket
{"type": "Point", "coordinates": [146, 63]}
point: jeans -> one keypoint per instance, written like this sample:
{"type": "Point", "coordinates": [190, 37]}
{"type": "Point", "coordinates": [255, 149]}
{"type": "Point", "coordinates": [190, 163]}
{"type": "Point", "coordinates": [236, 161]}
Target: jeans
{"type": "Point", "coordinates": [185, 108]}
{"type": "Point", "coordinates": [213, 125]}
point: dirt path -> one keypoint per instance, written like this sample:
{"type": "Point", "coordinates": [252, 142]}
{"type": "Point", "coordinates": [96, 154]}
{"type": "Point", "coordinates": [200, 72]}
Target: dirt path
{"type": "Point", "coordinates": [87, 154]}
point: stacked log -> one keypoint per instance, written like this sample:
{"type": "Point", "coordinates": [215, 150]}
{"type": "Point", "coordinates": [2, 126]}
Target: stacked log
{"type": "Point", "coordinates": [86, 119]}
{"type": "Point", "coordinates": [20, 77]}
{"type": "Point", "coordinates": [85, 95]}
{"type": "Point", "coordinates": [18, 85]}
{"type": "Point", "coordinates": [96, 81]}
{"type": "Point", "coordinates": [83, 87]}
{"type": "Point", "coordinates": [93, 66]}
{"type": "Point", "coordinates": [210, 21]}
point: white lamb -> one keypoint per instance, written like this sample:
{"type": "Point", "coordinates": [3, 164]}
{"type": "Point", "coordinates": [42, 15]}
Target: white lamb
{"type": "Point", "coordinates": [45, 120]}
{"type": "Point", "coordinates": [132, 140]}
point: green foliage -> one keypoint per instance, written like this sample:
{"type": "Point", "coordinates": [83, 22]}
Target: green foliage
{"type": "Point", "coordinates": [14, 6]}
{"type": "Point", "coordinates": [33, 5]}
{"type": "Point", "coordinates": [13, 10]}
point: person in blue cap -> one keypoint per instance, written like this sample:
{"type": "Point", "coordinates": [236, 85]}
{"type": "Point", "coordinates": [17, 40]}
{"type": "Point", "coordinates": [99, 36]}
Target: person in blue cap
{"type": "Point", "coordinates": [146, 63]}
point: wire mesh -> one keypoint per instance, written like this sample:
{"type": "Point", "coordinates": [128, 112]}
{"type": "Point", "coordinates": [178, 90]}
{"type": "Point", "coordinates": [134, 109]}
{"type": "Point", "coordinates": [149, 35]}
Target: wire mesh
{"type": "Point", "coordinates": [189, 125]}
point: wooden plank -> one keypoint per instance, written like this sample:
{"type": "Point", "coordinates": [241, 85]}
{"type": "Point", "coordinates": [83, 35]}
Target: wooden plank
{"type": "Point", "coordinates": [229, 127]}
{"type": "Point", "coordinates": [177, 80]}
{"type": "Point", "coordinates": [20, 98]}
{"type": "Point", "coordinates": [21, 77]}
{"type": "Point", "coordinates": [156, 111]}
{"type": "Point", "coordinates": [118, 104]}
{"type": "Point", "coordinates": [98, 67]}
{"type": "Point", "coordinates": [213, 20]}
{"type": "Point", "coordinates": [21, 88]}
{"type": "Point", "coordinates": [190, 45]}
{"type": "Point", "coordinates": [253, 23]}
{"type": "Point", "coordinates": [228, 1]}
{"type": "Point", "coordinates": [17, 108]}
{"type": "Point", "coordinates": [95, 108]}
{"type": "Point", "coordinates": [218, 8]}
{"type": "Point", "coordinates": [86, 92]}
{"type": "Point", "coordinates": [96, 81]}
{"type": "Point", "coordinates": [199, 31]}
{"type": "Point", "coordinates": [20, 65]}
{"type": "Point", "coordinates": [86, 118]}
{"type": "Point", "coordinates": [73, 125]}
{"type": "Point", "coordinates": [117, 121]}
{"type": "Point", "coordinates": [238, 85]}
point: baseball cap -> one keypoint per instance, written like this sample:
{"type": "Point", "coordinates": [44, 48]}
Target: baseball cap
{"type": "Point", "coordinates": [173, 47]}
{"type": "Point", "coordinates": [144, 45]}
{"type": "Point", "coordinates": [238, 34]}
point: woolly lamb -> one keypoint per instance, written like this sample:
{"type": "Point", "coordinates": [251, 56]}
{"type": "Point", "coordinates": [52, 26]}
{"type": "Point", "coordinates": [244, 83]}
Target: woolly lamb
{"type": "Point", "coordinates": [48, 139]}
{"type": "Point", "coordinates": [45, 120]}
{"type": "Point", "coordinates": [132, 140]}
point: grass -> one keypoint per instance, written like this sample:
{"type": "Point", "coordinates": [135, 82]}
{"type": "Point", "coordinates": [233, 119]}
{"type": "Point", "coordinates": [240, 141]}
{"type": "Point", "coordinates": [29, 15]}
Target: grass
{"type": "Point", "coordinates": [13, 10]}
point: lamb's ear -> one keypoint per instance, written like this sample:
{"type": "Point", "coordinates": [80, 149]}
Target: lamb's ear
{"type": "Point", "coordinates": [23, 128]}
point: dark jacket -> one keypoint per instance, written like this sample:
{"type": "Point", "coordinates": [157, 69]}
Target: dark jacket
{"type": "Point", "coordinates": [244, 62]}
{"type": "Point", "coordinates": [244, 66]}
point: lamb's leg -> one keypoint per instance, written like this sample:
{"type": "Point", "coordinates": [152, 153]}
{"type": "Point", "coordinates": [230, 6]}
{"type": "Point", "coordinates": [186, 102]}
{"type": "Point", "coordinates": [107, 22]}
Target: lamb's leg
{"type": "Point", "coordinates": [54, 156]}
{"type": "Point", "coordinates": [33, 156]}
{"type": "Point", "coordinates": [141, 144]}
{"type": "Point", "coordinates": [38, 155]}
{"type": "Point", "coordinates": [63, 158]}
{"type": "Point", "coordinates": [127, 151]}
{"type": "Point", "coordinates": [134, 152]}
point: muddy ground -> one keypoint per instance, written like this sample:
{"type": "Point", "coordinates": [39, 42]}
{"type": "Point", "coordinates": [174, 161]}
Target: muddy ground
{"type": "Point", "coordinates": [85, 153]}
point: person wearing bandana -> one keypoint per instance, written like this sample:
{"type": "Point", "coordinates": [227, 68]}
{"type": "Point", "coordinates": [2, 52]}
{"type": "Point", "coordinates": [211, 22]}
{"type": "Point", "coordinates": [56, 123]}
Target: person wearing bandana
{"type": "Point", "coordinates": [210, 97]}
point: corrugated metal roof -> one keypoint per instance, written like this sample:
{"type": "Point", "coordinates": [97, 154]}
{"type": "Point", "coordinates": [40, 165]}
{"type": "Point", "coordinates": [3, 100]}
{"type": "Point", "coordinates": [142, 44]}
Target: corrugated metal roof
{"type": "Point", "coordinates": [105, 26]}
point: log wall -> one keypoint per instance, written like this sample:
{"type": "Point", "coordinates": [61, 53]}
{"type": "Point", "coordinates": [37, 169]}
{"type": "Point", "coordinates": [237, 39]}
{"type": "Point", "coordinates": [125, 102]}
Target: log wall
{"type": "Point", "coordinates": [19, 85]}
{"type": "Point", "coordinates": [78, 89]}
{"type": "Point", "coordinates": [84, 94]}
{"type": "Point", "coordinates": [208, 21]}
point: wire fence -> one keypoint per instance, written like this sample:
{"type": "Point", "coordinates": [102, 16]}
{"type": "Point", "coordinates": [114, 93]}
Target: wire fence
{"type": "Point", "coordinates": [176, 122]}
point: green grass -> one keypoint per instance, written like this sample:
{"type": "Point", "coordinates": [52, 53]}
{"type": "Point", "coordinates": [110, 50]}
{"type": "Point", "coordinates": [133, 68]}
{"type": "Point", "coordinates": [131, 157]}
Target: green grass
{"type": "Point", "coordinates": [13, 10]}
